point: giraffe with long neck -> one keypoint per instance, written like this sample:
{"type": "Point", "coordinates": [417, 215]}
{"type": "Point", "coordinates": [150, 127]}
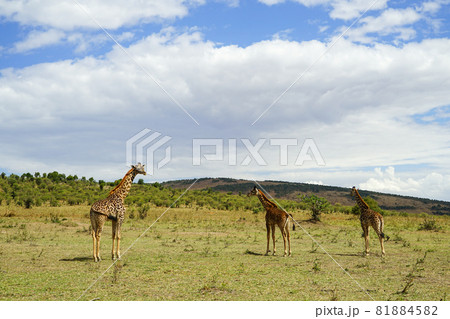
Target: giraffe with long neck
{"type": "Point", "coordinates": [113, 208]}
{"type": "Point", "coordinates": [274, 216]}
{"type": "Point", "coordinates": [369, 217]}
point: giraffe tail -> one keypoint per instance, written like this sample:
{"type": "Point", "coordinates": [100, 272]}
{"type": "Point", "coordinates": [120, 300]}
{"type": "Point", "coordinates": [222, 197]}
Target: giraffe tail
{"type": "Point", "coordinates": [293, 222]}
{"type": "Point", "coordinates": [386, 237]}
{"type": "Point", "coordinates": [112, 217]}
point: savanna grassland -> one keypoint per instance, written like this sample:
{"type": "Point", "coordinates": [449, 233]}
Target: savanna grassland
{"type": "Point", "coordinates": [200, 253]}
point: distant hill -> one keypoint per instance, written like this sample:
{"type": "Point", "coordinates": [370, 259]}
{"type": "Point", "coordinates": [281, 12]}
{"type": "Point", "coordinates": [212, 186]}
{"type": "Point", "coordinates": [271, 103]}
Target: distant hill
{"type": "Point", "coordinates": [335, 195]}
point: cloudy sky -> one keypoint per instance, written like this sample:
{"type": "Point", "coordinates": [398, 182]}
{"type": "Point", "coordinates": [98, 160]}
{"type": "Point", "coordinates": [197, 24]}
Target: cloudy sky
{"type": "Point", "coordinates": [335, 92]}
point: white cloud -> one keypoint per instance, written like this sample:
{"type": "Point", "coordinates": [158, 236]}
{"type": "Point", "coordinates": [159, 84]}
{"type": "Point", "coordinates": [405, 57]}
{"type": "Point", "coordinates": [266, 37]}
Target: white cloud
{"type": "Point", "coordinates": [395, 22]}
{"type": "Point", "coordinates": [37, 39]}
{"type": "Point", "coordinates": [357, 103]}
{"type": "Point", "coordinates": [340, 9]}
{"type": "Point", "coordinates": [314, 182]}
{"type": "Point", "coordinates": [282, 35]}
{"type": "Point", "coordinates": [271, 2]}
{"type": "Point", "coordinates": [67, 15]}
{"type": "Point", "coordinates": [70, 21]}
{"type": "Point", "coordinates": [432, 6]}
{"type": "Point", "coordinates": [351, 9]}
{"type": "Point", "coordinates": [231, 3]}
{"type": "Point", "coordinates": [431, 185]}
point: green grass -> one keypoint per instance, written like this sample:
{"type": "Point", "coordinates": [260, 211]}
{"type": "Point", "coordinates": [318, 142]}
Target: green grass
{"type": "Point", "coordinates": [200, 254]}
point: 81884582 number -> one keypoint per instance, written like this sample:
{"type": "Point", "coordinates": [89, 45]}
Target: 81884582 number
{"type": "Point", "coordinates": [406, 310]}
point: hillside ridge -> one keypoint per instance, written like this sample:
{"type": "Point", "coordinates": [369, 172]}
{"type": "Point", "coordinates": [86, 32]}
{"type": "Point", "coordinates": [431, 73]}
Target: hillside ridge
{"type": "Point", "coordinates": [334, 194]}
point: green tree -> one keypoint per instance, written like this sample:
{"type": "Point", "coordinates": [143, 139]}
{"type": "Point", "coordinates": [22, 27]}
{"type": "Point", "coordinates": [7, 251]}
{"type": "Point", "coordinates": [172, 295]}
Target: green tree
{"type": "Point", "coordinates": [102, 184]}
{"type": "Point", "coordinates": [317, 205]}
{"type": "Point", "coordinates": [372, 204]}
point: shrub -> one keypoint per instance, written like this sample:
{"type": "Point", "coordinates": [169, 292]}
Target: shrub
{"type": "Point", "coordinates": [143, 210]}
{"type": "Point", "coordinates": [429, 224]}
{"type": "Point", "coordinates": [27, 202]}
{"type": "Point", "coordinates": [54, 218]}
{"type": "Point", "coordinates": [54, 202]}
{"type": "Point", "coordinates": [355, 210]}
{"type": "Point", "coordinates": [131, 215]}
{"type": "Point", "coordinates": [372, 205]}
{"type": "Point", "coordinates": [317, 205]}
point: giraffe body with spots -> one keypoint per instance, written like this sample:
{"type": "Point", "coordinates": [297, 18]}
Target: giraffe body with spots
{"type": "Point", "coordinates": [369, 218]}
{"type": "Point", "coordinates": [112, 208]}
{"type": "Point", "coordinates": [274, 217]}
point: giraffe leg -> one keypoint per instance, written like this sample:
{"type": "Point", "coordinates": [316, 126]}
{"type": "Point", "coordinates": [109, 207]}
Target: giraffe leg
{"type": "Point", "coordinates": [118, 245]}
{"type": "Point", "coordinates": [381, 236]}
{"type": "Point", "coordinates": [379, 231]}
{"type": "Point", "coordinates": [94, 246]}
{"type": "Point", "coordinates": [97, 237]}
{"type": "Point", "coordinates": [366, 242]}
{"type": "Point", "coordinates": [283, 234]}
{"type": "Point", "coordinates": [288, 239]}
{"type": "Point", "coordinates": [268, 238]}
{"type": "Point", "coordinates": [273, 239]}
{"type": "Point", "coordinates": [366, 238]}
{"type": "Point", "coordinates": [114, 235]}
{"type": "Point", "coordinates": [381, 244]}
{"type": "Point", "coordinates": [118, 235]}
{"type": "Point", "coordinates": [94, 229]}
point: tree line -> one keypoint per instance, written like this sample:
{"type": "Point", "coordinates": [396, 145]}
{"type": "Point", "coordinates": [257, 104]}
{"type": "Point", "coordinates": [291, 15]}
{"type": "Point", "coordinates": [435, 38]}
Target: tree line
{"type": "Point", "coordinates": [56, 189]}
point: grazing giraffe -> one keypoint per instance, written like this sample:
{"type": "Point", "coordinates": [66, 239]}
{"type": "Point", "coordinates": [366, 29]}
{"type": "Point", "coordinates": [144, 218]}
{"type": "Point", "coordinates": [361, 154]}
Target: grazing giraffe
{"type": "Point", "coordinates": [112, 208]}
{"type": "Point", "coordinates": [368, 218]}
{"type": "Point", "coordinates": [274, 216]}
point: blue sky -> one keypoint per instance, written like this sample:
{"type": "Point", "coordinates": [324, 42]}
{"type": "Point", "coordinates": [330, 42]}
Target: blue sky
{"type": "Point", "coordinates": [374, 97]}
{"type": "Point", "coordinates": [219, 22]}
{"type": "Point", "coordinates": [225, 23]}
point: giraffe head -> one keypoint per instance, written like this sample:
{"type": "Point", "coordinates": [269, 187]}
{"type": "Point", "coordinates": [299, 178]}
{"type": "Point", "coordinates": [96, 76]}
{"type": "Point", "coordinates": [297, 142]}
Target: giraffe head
{"type": "Point", "coordinates": [353, 193]}
{"type": "Point", "coordinates": [139, 168]}
{"type": "Point", "coordinates": [253, 192]}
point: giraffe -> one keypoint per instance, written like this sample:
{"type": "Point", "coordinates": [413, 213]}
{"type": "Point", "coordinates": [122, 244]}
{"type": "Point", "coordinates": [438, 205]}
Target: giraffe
{"type": "Point", "coordinates": [112, 208]}
{"type": "Point", "coordinates": [274, 216]}
{"type": "Point", "coordinates": [368, 218]}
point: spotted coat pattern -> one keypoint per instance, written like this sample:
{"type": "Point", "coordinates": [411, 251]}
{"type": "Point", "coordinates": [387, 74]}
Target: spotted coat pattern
{"type": "Point", "coordinates": [274, 217]}
{"type": "Point", "coordinates": [369, 217]}
{"type": "Point", "coordinates": [112, 208]}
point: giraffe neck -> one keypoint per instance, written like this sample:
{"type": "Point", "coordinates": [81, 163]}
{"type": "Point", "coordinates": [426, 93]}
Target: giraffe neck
{"type": "Point", "coordinates": [361, 203]}
{"type": "Point", "coordinates": [267, 204]}
{"type": "Point", "coordinates": [124, 186]}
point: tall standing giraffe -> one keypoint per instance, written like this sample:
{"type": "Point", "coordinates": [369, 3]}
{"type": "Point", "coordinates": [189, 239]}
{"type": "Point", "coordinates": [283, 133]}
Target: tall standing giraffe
{"type": "Point", "coordinates": [274, 216]}
{"type": "Point", "coordinates": [368, 218]}
{"type": "Point", "coordinates": [112, 208]}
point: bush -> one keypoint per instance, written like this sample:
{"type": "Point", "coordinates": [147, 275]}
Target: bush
{"type": "Point", "coordinates": [54, 202]}
{"type": "Point", "coordinates": [372, 205]}
{"type": "Point", "coordinates": [28, 202]}
{"type": "Point", "coordinates": [317, 205]}
{"type": "Point", "coordinates": [355, 210]}
{"type": "Point", "coordinates": [143, 210]}
{"type": "Point", "coordinates": [131, 215]}
{"type": "Point", "coordinates": [429, 224]}
{"type": "Point", "coordinates": [54, 218]}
